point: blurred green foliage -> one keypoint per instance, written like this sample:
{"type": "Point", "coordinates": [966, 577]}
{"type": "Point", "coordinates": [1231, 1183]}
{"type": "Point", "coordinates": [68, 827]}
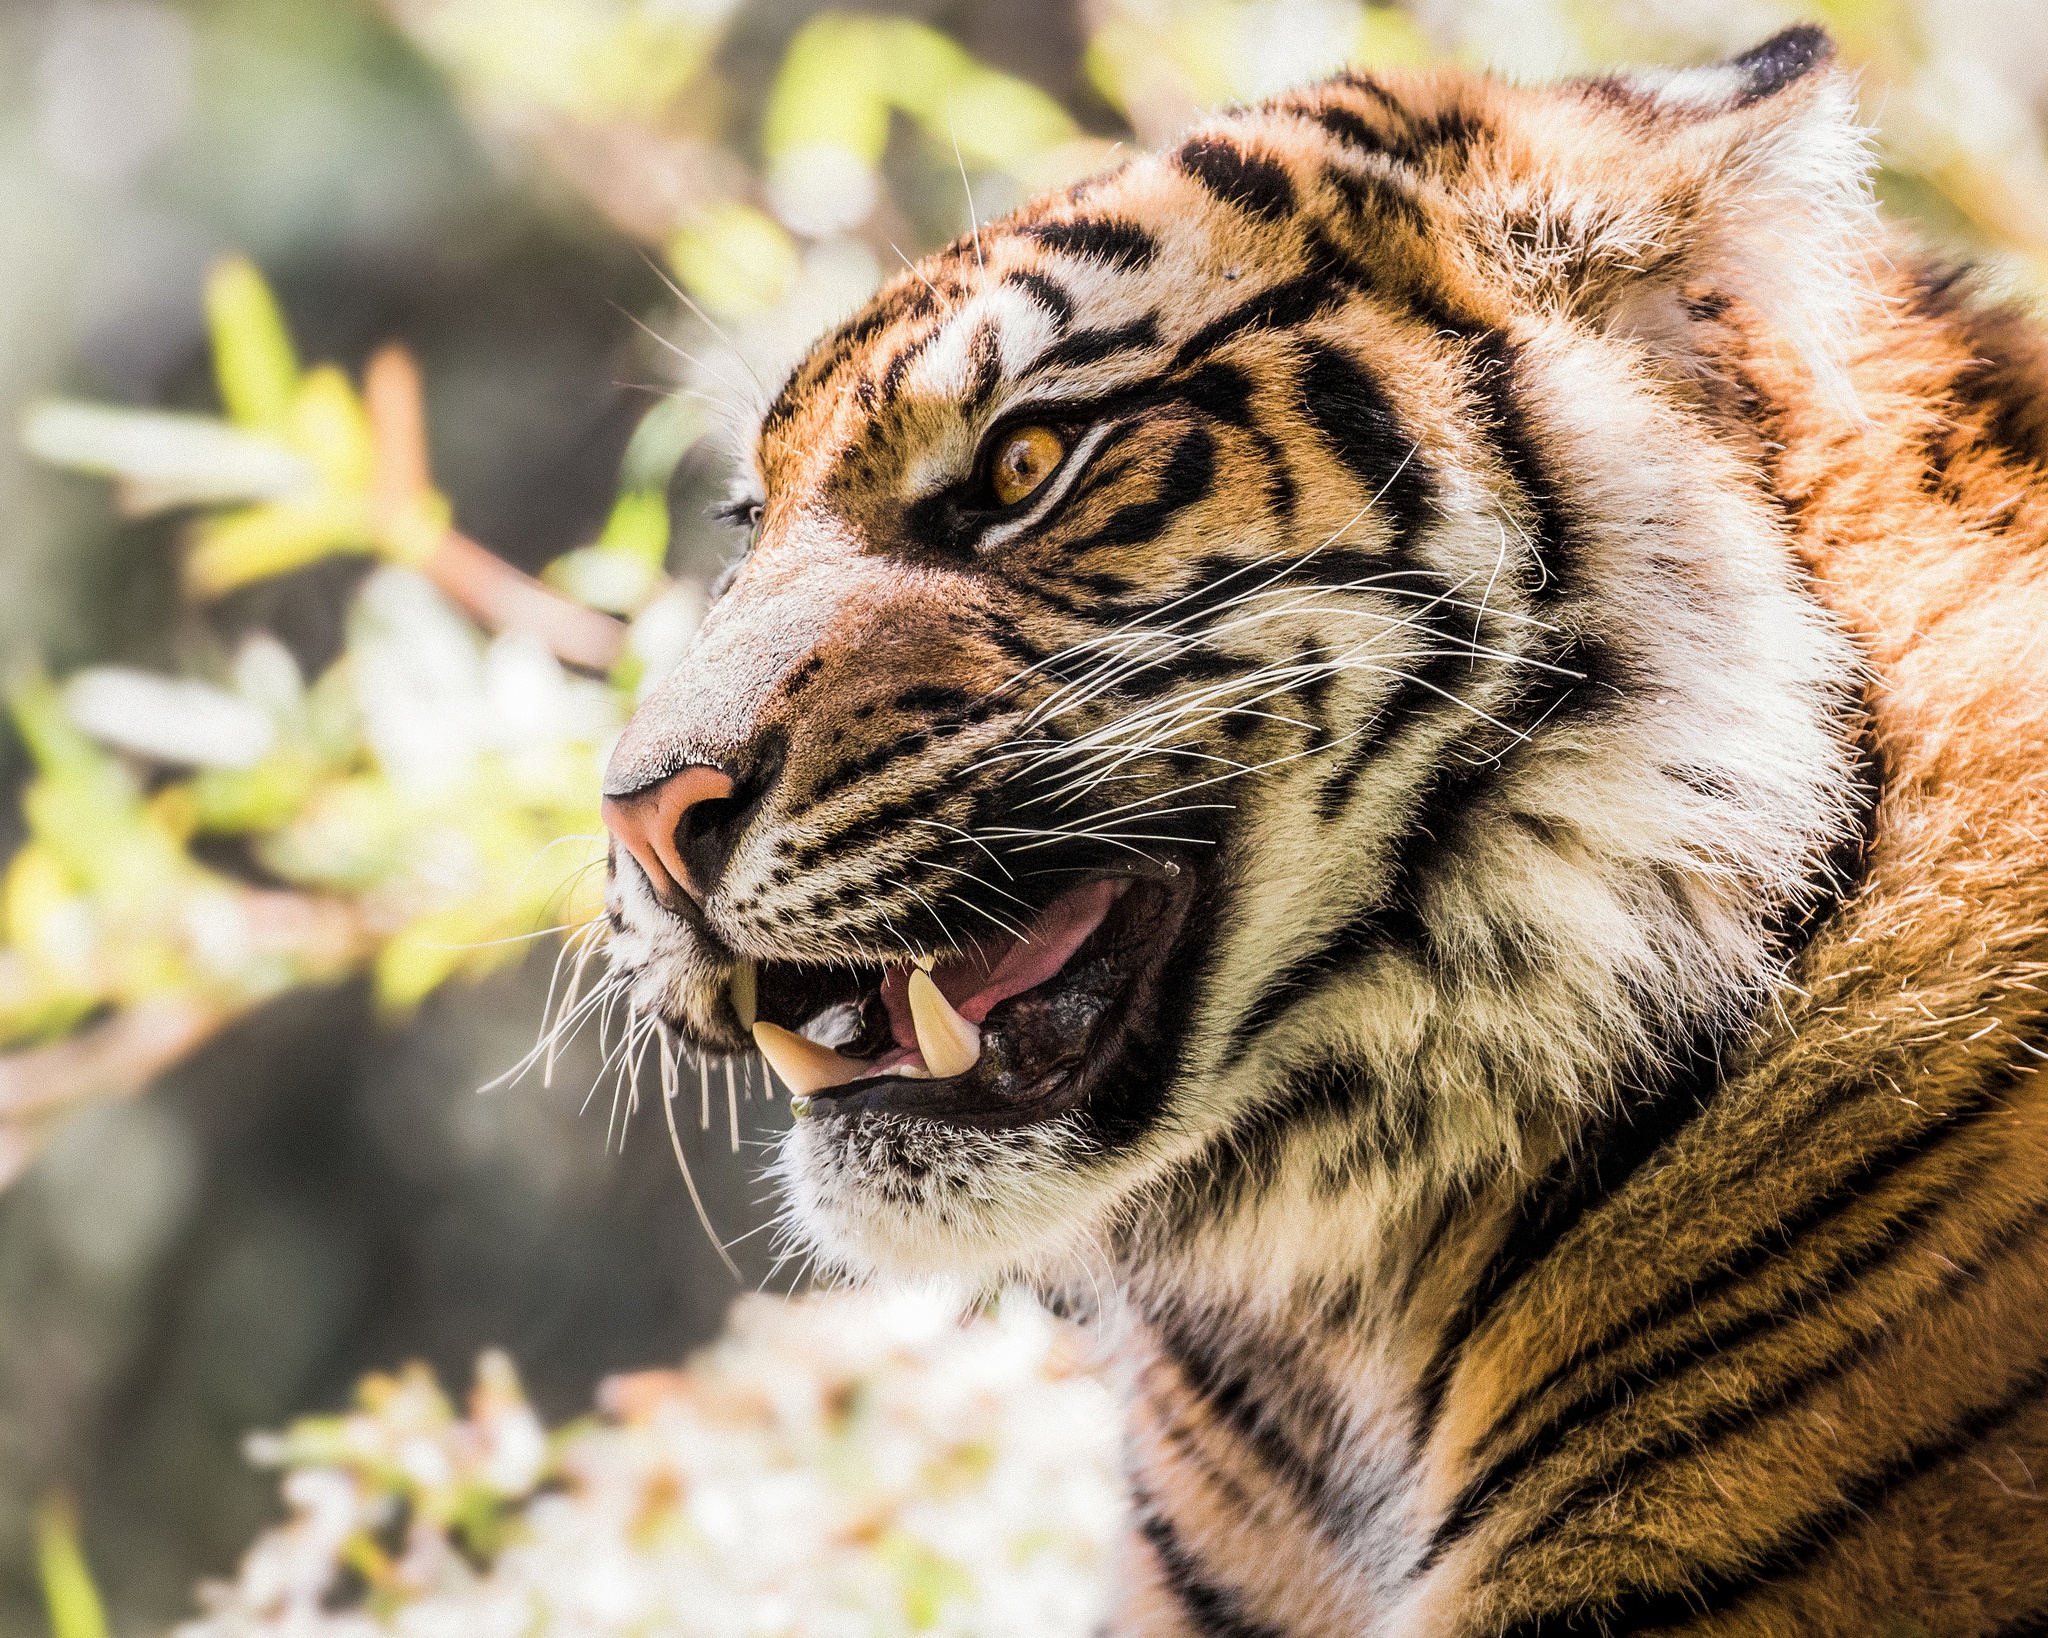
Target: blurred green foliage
{"type": "Point", "coordinates": [68, 1591]}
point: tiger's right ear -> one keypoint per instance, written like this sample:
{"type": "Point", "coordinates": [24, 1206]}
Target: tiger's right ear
{"type": "Point", "coordinates": [1749, 178]}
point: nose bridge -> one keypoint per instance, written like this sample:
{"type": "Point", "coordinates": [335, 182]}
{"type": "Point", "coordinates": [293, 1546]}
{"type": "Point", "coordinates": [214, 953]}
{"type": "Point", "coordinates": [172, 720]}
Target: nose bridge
{"type": "Point", "coordinates": [725, 695]}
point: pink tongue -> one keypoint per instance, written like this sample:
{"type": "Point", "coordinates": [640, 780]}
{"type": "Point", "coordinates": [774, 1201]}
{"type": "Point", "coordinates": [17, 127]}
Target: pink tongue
{"type": "Point", "coordinates": [997, 968]}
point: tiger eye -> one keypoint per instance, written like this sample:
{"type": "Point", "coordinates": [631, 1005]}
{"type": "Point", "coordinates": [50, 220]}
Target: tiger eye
{"type": "Point", "coordinates": [1025, 460]}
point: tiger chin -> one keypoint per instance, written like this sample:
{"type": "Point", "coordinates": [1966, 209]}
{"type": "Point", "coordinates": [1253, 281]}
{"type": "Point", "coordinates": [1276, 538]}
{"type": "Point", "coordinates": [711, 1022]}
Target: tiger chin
{"type": "Point", "coordinates": [1401, 751]}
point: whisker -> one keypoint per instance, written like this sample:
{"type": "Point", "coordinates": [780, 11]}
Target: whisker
{"type": "Point", "coordinates": [675, 1143]}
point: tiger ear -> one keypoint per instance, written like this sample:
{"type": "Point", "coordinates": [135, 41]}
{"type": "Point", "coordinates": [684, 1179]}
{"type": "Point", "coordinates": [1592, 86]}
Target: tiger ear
{"type": "Point", "coordinates": [1747, 179]}
{"type": "Point", "coordinates": [1741, 82]}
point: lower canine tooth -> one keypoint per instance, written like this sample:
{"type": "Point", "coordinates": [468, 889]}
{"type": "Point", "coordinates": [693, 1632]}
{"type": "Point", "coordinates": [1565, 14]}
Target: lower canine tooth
{"type": "Point", "coordinates": [950, 1044]}
{"type": "Point", "coordinates": [742, 992]}
{"type": "Point", "coordinates": [804, 1066]}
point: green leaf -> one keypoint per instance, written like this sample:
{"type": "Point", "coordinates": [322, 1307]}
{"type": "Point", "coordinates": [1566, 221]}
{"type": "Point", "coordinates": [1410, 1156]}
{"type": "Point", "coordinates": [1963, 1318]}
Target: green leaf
{"type": "Point", "coordinates": [253, 357]}
{"type": "Point", "coordinates": [68, 1591]}
{"type": "Point", "coordinates": [162, 459]}
{"type": "Point", "coordinates": [330, 427]}
{"type": "Point", "coordinates": [61, 749]}
{"type": "Point", "coordinates": [638, 524]}
{"type": "Point", "coordinates": [235, 548]}
{"type": "Point", "coordinates": [734, 259]}
{"type": "Point", "coordinates": [605, 577]}
{"type": "Point", "coordinates": [666, 433]}
{"type": "Point", "coordinates": [1388, 38]}
{"type": "Point", "coordinates": [829, 91]}
{"type": "Point", "coordinates": [842, 75]}
{"type": "Point", "coordinates": [927, 1580]}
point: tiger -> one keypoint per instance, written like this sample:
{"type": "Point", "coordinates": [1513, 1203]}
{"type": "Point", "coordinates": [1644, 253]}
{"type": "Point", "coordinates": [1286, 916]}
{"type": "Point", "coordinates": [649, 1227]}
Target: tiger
{"type": "Point", "coordinates": [1400, 756]}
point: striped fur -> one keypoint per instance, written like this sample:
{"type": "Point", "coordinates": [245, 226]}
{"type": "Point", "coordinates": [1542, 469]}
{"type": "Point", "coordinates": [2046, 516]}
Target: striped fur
{"type": "Point", "coordinates": [1562, 597]}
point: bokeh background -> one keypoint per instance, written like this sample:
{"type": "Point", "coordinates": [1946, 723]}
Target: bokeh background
{"type": "Point", "coordinates": [593, 225]}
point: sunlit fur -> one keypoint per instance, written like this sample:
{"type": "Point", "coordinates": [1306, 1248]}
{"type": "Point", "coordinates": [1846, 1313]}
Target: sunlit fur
{"type": "Point", "coordinates": [1568, 587]}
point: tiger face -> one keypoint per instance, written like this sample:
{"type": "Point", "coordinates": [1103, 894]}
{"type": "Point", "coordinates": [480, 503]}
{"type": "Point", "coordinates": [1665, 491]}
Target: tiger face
{"type": "Point", "coordinates": [1270, 660]}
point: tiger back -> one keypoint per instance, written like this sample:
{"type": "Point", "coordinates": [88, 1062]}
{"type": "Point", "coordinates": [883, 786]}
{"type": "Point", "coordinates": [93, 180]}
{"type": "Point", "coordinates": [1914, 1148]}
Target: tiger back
{"type": "Point", "coordinates": [1399, 756]}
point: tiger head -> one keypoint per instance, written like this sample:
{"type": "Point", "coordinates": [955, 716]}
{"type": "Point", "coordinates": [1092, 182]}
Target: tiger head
{"type": "Point", "coordinates": [1275, 663]}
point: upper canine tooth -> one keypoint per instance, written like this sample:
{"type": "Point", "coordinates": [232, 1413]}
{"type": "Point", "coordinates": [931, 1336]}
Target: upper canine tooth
{"type": "Point", "coordinates": [950, 1044]}
{"type": "Point", "coordinates": [742, 993]}
{"type": "Point", "coordinates": [804, 1066]}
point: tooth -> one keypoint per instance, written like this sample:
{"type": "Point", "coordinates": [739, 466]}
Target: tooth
{"type": "Point", "coordinates": [741, 991]}
{"type": "Point", "coordinates": [803, 1065]}
{"type": "Point", "coordinates": [951, 1045]}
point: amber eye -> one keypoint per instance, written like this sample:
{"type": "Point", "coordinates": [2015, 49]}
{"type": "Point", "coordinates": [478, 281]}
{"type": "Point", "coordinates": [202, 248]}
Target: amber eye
{"type": "Point", "coordinates": [1024, 460]}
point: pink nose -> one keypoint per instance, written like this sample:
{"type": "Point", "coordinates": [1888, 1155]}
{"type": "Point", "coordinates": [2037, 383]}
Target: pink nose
{"type": "Point", "coordinates": [649, 821]}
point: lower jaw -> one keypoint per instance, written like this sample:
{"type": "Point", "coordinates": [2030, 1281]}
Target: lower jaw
{"type": "Point", "coordinates": [1043, 1051]}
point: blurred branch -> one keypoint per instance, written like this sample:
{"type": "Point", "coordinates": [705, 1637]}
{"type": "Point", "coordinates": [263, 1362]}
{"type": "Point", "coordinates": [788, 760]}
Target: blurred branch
{"type": "Point", "coordinates": [115, 1058]}
{"type": "Point", "coordinates": [122, 1053]}
{"type": "Point", "coordinates": [504, 599]}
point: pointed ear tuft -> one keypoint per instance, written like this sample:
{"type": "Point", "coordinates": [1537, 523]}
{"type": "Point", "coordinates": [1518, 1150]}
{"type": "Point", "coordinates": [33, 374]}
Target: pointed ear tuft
{"type": "Point", "coordinates": [1741, 82]}
{"type": "Point", "coordinates": [1791, 55]}
{"type": "Point", "coordinates": [1747, 179]}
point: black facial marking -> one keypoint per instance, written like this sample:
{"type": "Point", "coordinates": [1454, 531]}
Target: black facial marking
{"type": "Point", "coordinates": [1555, 537]}
{"type": "Point", "coordinates": [1092, 346]}
{"type": "Point", "coordinates": [1251, 182]}
{"type": "Point", "coordinates": [1190, 472]}
{"type": "Point", "coordinates": [1122, 245]}
{"type": "Point", "coordinates": [1221, 391]}
{"type": "Point", "coordinates": [986, 359]}
{"type": "Point", "coordinates": [1356, 418]}
{"type": "Point", "coordinates": [899, 366]}
{"type": "Point", "coordinates": [1374, 201]}
{"type": "Point", "coordinates": [1047, 293]}
{"type": "Point", "coordinates": [1283, 307]}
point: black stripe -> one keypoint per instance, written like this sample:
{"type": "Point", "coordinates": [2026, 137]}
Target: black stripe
{"type": "Point", "coordinates": [1047, 293]}
{"type": "Point", "coordinates": [1282, 307]}
{"type": "Point", "coordinates": [1636, 1610]}
{"type": "Point", "coordinates": [1774, 1240]}
{"type": "Point", "coordinates": [1394, 922]}
{"type": "Point", "coordinates": [1423, 693]}
{"type": "Point", "coordinates": [1347, 127]}
{"type": "Point", "coordinates": [1354, 415]}
{"type": "Point", "coordinates": [1374, 200]}
{"type": "Point", "coordinates": [1734, 1413]}
{"type": "Point", "coordinates": [899, 366]}
{"type": "Point", "coordinates": [1225, 1382]}
{"type": "Point", "coordinates": [1190, 473]}
{"type": "Point", "coordinates": [1120, 244]}
{"type": "Point", "coordinates": [1894, 1239]}
{"type": "Point", "coordinates": [1574, 1186]}
{"type": "Point", "coordinates": [1251, 182]}
{"type": "Point", "coordinates": [1555, 538]}
{"type": "Point", "coordinates": [1252, 1388]}
{"type": "Point", "coordinates": [1092, 346]}
{"type": "Point", "coordinates": [1220, 390]}
{"type": "Point", "coordinates": [1212, 1611]}
{"type": "Point", "coordinates": [985, 354]}
{"type": "Point", "coordinates": [1241, 1161]}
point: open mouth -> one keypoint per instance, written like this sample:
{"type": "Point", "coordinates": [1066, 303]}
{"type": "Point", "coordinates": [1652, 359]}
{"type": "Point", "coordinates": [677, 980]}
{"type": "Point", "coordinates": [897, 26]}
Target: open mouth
{"type": "Point", "coordinates": [1004, 1031]}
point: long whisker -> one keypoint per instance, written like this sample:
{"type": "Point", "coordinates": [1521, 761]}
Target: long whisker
{"type": "Point", "coordinates": [675, 1142]}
